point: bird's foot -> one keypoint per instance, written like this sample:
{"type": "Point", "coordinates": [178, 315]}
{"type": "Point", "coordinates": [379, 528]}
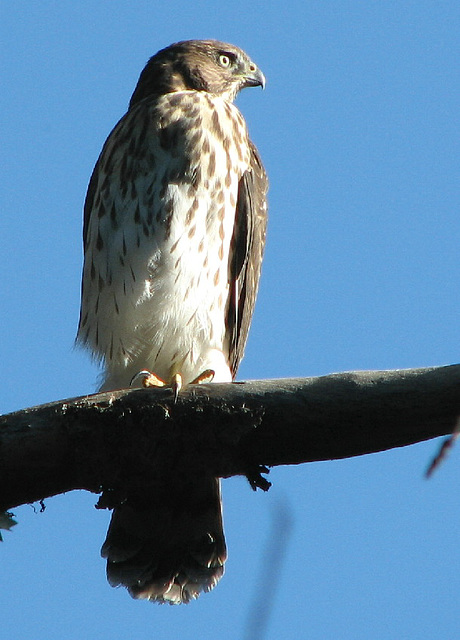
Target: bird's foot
{"type": "Point", "coordinates": [149, 379]}
{"type": "Point", "coordinates": [176, 382]}
{"type": "Point", "coordinates": [205, 376]}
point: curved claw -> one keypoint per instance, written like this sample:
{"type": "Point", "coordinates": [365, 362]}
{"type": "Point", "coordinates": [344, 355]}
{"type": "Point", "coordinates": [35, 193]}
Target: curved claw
{"type": "Point", "coordinates": [176, 385]}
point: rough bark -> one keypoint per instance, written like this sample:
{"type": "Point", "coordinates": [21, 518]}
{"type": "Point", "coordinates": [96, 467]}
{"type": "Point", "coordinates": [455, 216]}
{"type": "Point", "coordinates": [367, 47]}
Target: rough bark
{"type": "Point", "coordinates": [117, 442]}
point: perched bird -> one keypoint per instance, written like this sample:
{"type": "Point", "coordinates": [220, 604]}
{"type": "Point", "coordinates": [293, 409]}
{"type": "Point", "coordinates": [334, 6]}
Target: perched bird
{"type": "Point", "coordinates": [174, 232]}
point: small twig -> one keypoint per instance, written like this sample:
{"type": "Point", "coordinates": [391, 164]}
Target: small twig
{"type": "Point", "coordinates": [7, 522]}
{"type": "Point", "coordinates": [443, 451]}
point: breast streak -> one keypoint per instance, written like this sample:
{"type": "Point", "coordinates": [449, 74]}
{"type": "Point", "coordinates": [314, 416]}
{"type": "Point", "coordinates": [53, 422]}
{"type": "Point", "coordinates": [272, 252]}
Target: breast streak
{"type": "Point", "coordinates": [176, 314]}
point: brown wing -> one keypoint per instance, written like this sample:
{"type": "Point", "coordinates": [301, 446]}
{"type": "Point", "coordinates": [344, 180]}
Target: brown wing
{"type": "Point", "coordinates": [248, 244]}
{"type": "Point", "coordinates": [115, 145]}
{"type": "Point", "coordinates": [89, 201]}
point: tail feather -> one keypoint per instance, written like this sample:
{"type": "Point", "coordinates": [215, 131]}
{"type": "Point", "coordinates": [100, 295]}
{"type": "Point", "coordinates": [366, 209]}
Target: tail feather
{"type": "Point", "coordinates": [172, 550]}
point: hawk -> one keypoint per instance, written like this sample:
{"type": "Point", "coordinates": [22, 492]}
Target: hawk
{"type": "Point", "coordinates": [174, 232]}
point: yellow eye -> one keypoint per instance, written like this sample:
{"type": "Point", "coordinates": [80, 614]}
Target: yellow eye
{"type": "Point", "coordinates": [224, 60]}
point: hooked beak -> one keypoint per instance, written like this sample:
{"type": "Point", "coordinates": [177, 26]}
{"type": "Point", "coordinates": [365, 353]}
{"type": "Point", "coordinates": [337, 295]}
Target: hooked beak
{"type": "Point", "coordinates": [255, 78]}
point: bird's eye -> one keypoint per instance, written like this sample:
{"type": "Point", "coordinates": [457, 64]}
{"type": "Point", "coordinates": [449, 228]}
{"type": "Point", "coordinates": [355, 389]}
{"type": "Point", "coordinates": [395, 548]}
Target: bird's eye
{"type": "Point", "coordinates": [224, 60]}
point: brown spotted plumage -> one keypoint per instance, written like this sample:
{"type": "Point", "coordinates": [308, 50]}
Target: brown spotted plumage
{"type": "Point", "coordinates": [174, 231]}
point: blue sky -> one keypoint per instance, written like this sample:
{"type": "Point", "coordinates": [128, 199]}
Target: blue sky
{"type": "Point", "coordinates": [358, 129]}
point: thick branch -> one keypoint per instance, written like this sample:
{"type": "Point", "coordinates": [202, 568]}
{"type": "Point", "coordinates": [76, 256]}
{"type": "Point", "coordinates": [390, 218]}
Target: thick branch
{"type": "Point", "coordinates": [106, 440]}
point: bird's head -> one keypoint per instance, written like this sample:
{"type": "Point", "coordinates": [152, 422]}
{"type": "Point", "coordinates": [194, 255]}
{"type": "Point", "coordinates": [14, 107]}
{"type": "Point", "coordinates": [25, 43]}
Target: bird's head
{"type": "Point", "coordinates": [201, 65]}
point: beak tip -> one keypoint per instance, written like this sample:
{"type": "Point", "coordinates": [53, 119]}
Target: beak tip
{"type": "Point", "coordinates": [259, 79]}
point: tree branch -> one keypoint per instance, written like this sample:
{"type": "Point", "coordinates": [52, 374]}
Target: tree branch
{"type": "Point", "coordinates": [118, 441]}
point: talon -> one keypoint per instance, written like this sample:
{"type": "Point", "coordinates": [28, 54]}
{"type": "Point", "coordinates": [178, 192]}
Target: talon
{"type": "Point", "coordinates": [205, 376]}
{"type": "Point", "coordinates": [149, 379]}
{"type": "Point", "coordinates": [176, 385]}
